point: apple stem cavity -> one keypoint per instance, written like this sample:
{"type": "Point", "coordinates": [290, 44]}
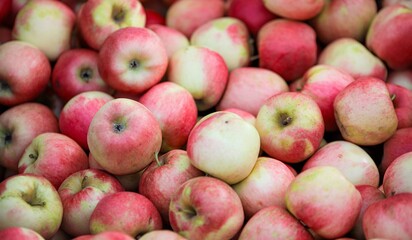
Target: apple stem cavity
{"type": "Point", "coordinates": [134, 64]}
{"type": "Point", "coordinates": [118, 14]}
{"type": "Point", "coordinates": [285, 119]}
{"type": "Point", "coordinates": [119, 126]}
{"type": "Point", "coordinates": [84, 182]}
{"type": "Point", "coordinates": [7, 138]}
{"type": "Point", "coordinates": [33, 156]}
{"type": "Point", "coordinates": [4, 86]}
{"type": "Point", "coordinates": [86, 74]}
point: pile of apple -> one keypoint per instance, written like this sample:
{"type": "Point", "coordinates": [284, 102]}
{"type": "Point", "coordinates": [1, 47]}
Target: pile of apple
{"type": "Point", "coordinates": [205, 119]}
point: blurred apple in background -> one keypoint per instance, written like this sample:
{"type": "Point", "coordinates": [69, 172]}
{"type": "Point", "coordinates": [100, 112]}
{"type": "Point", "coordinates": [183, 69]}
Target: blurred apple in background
{"type": "Point", "coordinates": [172, 39]}
{"type": "Point", "coordinates": [298, 10]}
{"type": "Point", "coordinates": [402, 78]}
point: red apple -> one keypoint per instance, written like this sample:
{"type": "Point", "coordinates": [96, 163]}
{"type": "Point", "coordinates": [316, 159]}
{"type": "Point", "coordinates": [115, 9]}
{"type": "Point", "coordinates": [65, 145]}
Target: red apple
{"type": "Point", "coordinates": [5, 8]}
{"type": "Point", "coordinates": [395, 146]}
{"type": "Point", "coordinates": [107, 235]}
{"type": "Point", "coordinates": [5, 35]}
{"type": "Point", "coordinates": [248, 117]}
{"type": "Point", "coordinates": [402, 101]}
{"type": "Point", "coordinates": [163, 234]}
{"type": "Point", "coordinates": [19, 233]}
{"type": "Point", "coordinates": [297, 10]}
{"type": "Point", "coordinates": [397, 176]}
{"type": "Point", "coordinates": [153, 17]}
{"type": "Point", "coordinates": [172, 39]}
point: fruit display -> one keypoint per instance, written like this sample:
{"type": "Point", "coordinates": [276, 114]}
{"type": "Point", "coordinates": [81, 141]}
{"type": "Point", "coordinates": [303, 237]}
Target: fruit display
{"type": "Point", "coordinates": [205, 119]}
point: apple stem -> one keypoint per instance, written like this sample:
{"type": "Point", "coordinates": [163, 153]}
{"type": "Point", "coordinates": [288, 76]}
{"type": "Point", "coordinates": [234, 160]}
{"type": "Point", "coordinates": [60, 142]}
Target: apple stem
{"type": "Point", "coordinates": [159, 163]}
{"type": "Point", "coordinates": [393, 97]}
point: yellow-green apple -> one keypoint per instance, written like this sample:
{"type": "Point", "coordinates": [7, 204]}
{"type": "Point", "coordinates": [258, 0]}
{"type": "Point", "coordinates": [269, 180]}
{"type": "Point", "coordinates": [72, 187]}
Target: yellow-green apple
{"type": "Point", "coordinates": [353, 162]}
{"type": "Point", "coordinates": [153, 17]}
{"type": "Point", "coordinates": [19, 125]}
{"type": "Point", "coordinates": [54, 156]}
{"type": "Point", "coordinates": [161, 179]}
{"type": "Point", "coordinates": [127, 212]}
{"type": "Point", "coordinates": [389, 218]}
{"type": "Point", "coordinates": [75, 72]}
{"type": "Point", "coordinates": [248, 117]}
{"type": "Point", "coordinates": [402, 101]}
{"type": "Point", "coordinates": [274, 222]}
{"type": "Point", "coordinates": [227, 36]}
{"type": "Point", "coordinates": [287, 47]}
{"type": "Point", "coordinates": [202, 72]}
{"type": "Point", "coordinates": [32, 202]}
{"type": "Point", "coordinates": [397, 176]}
{"type": "Point", "coordinates": [5, 35]}
{"type": "Point", "coordinates": [351, 56]}
{"type": "Point", "coordinates": [172, 39]}
{"type": "Point", "coordinates": [206, 208]}
{"type": "Point", "coordinates": [264, 83]}
{"type": "Point", "coordinates": [107, 235]}
{"type": "Point", "coordinates": [322, 83]}
{"type": "Point", "coordinates": [132, 59]}
{"type": "Point", "coordinates": [164, 234]}
{"type": "Point", "coordinates": [18, 84]}
{"type": "Point", "coordinates": [265, 186]}
{"type": "Point", "coordinates": [19, 233]}
{"type": "Point", "coordinates": [80, 192]}
{"type": "Point", "coordinates": [187, 15]}
{"type": "Point", "coordinates": [344, 19]}
{"type": "Point", "coordinates": [401, 77]}
{"type": "Point", "coordinates": [360, 123]}
{"type": "Point", "coordinates": [98, 19]}
{"type": "Point", "coordinates": [394, 147]}
{"type": "Point", "coordinates": [388, 36]}
{"type": "Point", "coordinates": [124, 136]}
{"type": "Point", "coordinates": [252, 12]}
{"type": "Point", "coordinates": [175, 109]}
{"type": "Point", "coordinates": [290, 126]}
{"type": "Point", "coordinates": [78, 112]}
{"type": "Point", "coordinates": [224, 145]}
{"type": "Point", "coordinates": [5, 8]}
{"type": "Point", "coordinates": [324, 200]}
{"type": "Point", "coordinates": [47, 24]}
{"type": "Point", "coordinates": [296, 10]}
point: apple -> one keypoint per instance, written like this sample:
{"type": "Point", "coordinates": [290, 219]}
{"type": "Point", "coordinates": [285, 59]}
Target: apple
{"type": "Point", "coordinates": [172, 39]}
{"type": "Point", "coordinates": [402, 101]}
{"type": "Point", "coordinates": [265, 186]}
{"type": "Point", "coordinates": [32, 202]}
{"type": "Point", "coordinates": [357, 121]}
{"type": "Point", "coordinates": [175, 109]}
{"type": "Point", "coordinates": [398, 144]}
{"type": "Point", "coordinates": [351, 56]}
{"type": "Point", "coordinates": [124, 136]}
{"type": "Point", "coordinates": [401, 77]}
{"type": "Point", "coordinates": [5, 34]}
{"type": "Point", "coordinates": [80, 192]}
{"type": "Point", "coordinates": [137, 217]}
{"type": "Point", "coordinates": [18, 233]}
{"type": "Point", "coordinates": [47, 24]}
{"type": "Point", "coordinates": [287, 47]}
{"type": "Point", "coordinates": [107, 235]}
{"type": "Point", "coordinates": [78, 112]}
{"type": "Point", "coordinates": [224, 146]}
{"type": "Point", "coordinates": [154, 17]}
{"type": "Point", "coordinates": [248, 117]}
{"type": "Point", "coordinates": [324, 200]}
{"type": "Point", "coordinates": [296, 10]}
{"type": "Point", "coordinates": [389, 218]}
{"type": "Point", "coordinates": [202, 72]}
{"type": "Point", "coordinates": [353, 162]}
{"type": "Point", "coordinates": [274, 222]}
{"type": "Point", "coordinates": [75, 72]}
{"type": "Point", "coordinates": [98, 19]}
{"type": "Point", "coordinates": [406, 3]}
{"type": "Point", "coordinates": [5, 8]}
{"type": "Point", "coordinates": [163, 234]}
{"type": "Point", "coordinates": [19, 125]}
{"type": "Point", "coordinates": [264, 83]}
{"type": "Point", "coordinates": [132, 59]}
{"type": "Point", "coordinates": [388, 36]}
{"type": "Point", "coordinates": [187, 15]}
{"type": "Point", "coordinates": [206, 208]}
{"type": "Point", "coordinates": [290, 126]}
{"type": "Point", "coordinates": [396, 178]}
{"type": "Point", "coordinates": [344, 19]}
{"type": "Point", "coordinates": [161, 179]}
{"type": "Point", "coordinates": [60, 235]}
{"type": "Point", "coordinates": [54, 156]}
{"type": "Point", "coordinates": [18, 61]}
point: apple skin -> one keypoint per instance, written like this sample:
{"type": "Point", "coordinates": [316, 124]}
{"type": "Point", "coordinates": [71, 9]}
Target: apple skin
{"type": "Point", "coordinates": [395, 146]}
{"type": "Point", "coordinates": [18, 233]}
{"type": "Point", "coordinates": [264, 83]}
{"type": "Point", "coordinates": [324, 200]}
{"type": "Point", "coordinates": [164, 234]}
{"type": "Point", "coordinates": [19, 125]}
{"type": "Point", "coordinates": [266, 172]}
{"type": "Point", "coordinates": [78, 112]}
{"type": "Point", "coordinates": [389, 218]}
{"type": "Point", "coordinates": [98, 19]}
{"type": "Point", "coordinates": [275, 223]}
{"type": "Point", "coordinates": [75, 72]}
{"type": "Point", "coordinates": [187, 15]}
{"type": "Point", "coordinates": [401, 77]}
{"type": "Point", "coordinates": [172, 39]}
{"type": "Point", "coordinates": [248, 117]}
{"type": "Point", "coordinates": [161, 179]}
{"type": "Point", "coordinates": [175, 109]}
{"type": "Point", "coordinates": [357, 121]}
{"type": "Point", "coordinates": [406, 3]}
{"type": "Point", "coordinates": [5, 8]}
{"type": "Point", "coordinates": [132, 59]}
{"type": "Point", "coordinates": [30, 201]}
{"type": "Point", "coordinates": [46, 24]}
{"type": "Point", "coordinates": [206, 208]}
{"type": "Point", "coordinates": [5, 35]}
{"type": "Point", "coordinates": [202, 72]}
{"type": "Point", "coordinates": [353, 162]}
{"type": "Point", "coordinates": [107, 235]}
{"type": "Point", "coordinates": [54, 156]}
{"type": "Point", "coordinates": [344, 19]}
{"type": "Point", "coordinates": [18, 83]}
{"type": "Point", "coordinates": [227, 36]}
{"type": "Point", "coordinates": [403, 104]}
{"type": "Point", "coordinates": [109, 214]}
{"type": "Point", "coordinates": [211, 146]}
{"type": "Point", "coordinates": [388, 36]}
{"type": "Point", "coordinates": [396, 178]}
{"type": "Point", "coordinates": [290, 126]}
{"type": "Point", "coordinates": [124, 136]}
{"type": "Point", "coordinates": [296, 10]}
{"type": "Point", "coordinates": [287, 47]}
{"type": "Point", "coordinates": [153, 17]}
{"type": "Point", "coordinates": [80, 192]}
